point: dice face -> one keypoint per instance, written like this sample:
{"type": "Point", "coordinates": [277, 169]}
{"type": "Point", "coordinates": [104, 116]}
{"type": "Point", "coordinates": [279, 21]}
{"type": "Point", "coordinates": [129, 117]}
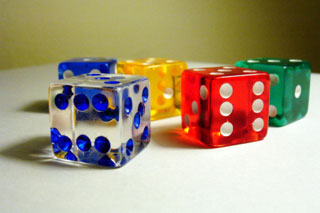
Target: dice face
{"type": "Point", "coordinates": [100, 119]}
{"type": "Point", "coordinates": [79, 66]}
{"type": "Point", "coordinates": [165, 82]}
{"type": "Point", "coordinates": [223, 106]}
{"type": "Point", "coordinates": [290, 83]}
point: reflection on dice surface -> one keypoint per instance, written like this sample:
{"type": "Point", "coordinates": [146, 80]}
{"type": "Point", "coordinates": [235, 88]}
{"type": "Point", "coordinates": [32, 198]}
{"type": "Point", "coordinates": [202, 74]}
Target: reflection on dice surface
{"type": "Point", "coordinates": [165, 82]}
{"type": "Point", "coordinates": [99, 118]}
{"type": "Point", "coordinates": [290, 83]}
{"type": "Point", "coordinates": [224, 106]}
{"type": "Point", "coordinates": [79, 66]}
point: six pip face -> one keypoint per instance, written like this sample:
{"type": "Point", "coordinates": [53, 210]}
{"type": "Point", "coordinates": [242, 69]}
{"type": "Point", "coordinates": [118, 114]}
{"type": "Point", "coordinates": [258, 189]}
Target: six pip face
{"type": "Point", "coordinates": [224, 106]}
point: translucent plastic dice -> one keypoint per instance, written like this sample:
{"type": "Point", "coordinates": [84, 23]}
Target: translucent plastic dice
{"type": "Point", "coordinates": [165, 80]}
{"type": "Point", "coordinates": [290, 83]}
{"type": "Point", "coordinates": [223, 106]}
{"type": "Point", "coordinates": [100, 119]}
{"type": "Point", "coordinates": [78, 66]}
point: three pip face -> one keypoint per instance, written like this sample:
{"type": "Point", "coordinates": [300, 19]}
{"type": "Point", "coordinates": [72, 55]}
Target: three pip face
{"type": "Point", "coordinates": [104, 119]}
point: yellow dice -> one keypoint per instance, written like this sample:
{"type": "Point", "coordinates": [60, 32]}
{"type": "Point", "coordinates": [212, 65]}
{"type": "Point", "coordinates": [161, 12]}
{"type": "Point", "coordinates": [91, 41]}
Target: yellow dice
{"type": "Point", "coordinates": [165, 83]}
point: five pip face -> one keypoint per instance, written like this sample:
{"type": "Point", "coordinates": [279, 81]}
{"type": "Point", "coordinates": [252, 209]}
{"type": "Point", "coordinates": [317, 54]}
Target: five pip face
{"type": "Point", "coordinates": [99, 118]}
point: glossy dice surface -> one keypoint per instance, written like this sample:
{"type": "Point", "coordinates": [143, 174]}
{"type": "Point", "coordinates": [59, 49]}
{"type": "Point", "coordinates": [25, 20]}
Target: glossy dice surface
{"type": "Point", "coordinates": [290, 83]}
{"type": "Point", "coordinates": [223, 106]}
{"type": "Point", "coordinates": [100, 119]}
{"type": "Point", "coordinates": [165, 82]}
{"type": "Point", "coordinates": [79, 66]}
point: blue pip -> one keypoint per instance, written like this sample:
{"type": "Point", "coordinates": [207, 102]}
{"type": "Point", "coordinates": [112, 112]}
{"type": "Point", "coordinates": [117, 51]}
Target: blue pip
{"type": "Point", "coordinates": [79, 66]}
{"type": "Point", "coordinates": [101, 119]}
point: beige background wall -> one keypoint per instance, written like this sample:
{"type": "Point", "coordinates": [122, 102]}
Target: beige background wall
{"type": "Point", "coordinates": [37, 32]}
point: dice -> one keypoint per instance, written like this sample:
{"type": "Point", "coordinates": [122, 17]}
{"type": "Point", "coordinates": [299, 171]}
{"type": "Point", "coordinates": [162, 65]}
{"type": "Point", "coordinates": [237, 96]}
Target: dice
{"type": "Point", "coordinates": [78, 66]}
{"type": "Point", "coordinates": [290, 83]}
{"type": "Point", "coordinates": [223, 106]}
{"type": "Point", "coordinates": [165, 82]}
{"type": "Point", "coordinates": [100, 119]}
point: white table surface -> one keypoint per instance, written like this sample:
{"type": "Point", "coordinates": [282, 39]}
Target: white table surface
{"type": "Point", "coordinates": [279, 174]}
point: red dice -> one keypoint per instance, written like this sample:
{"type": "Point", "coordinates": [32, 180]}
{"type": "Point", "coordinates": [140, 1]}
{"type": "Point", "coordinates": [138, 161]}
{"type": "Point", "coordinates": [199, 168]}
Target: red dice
{"type": "Point", "coordinates": [222, 106]}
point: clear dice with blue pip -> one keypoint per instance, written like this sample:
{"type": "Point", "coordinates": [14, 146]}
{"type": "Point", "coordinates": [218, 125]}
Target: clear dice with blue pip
{"type": "Point", "coordinates": [101, 119]}
{"type": "Point", "coordinates": [79, 66]}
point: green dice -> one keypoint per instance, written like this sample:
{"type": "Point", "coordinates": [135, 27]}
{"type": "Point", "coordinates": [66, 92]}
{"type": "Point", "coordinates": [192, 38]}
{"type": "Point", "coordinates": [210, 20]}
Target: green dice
{"type": "Point", "coordinates": [289, 92]}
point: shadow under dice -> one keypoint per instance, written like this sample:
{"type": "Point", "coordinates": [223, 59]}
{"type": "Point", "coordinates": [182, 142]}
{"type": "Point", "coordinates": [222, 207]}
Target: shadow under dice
{"type": "Point", "coordinates": [165, 82]}
{"type": "Point", "coordinates": [290, 83]}
{"type": "Point", "coordinates": [224, 106]}
{"type": "Point", "coordinates": [79, 66]}
{"type": "Point", "coordinates": [100, 119]}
